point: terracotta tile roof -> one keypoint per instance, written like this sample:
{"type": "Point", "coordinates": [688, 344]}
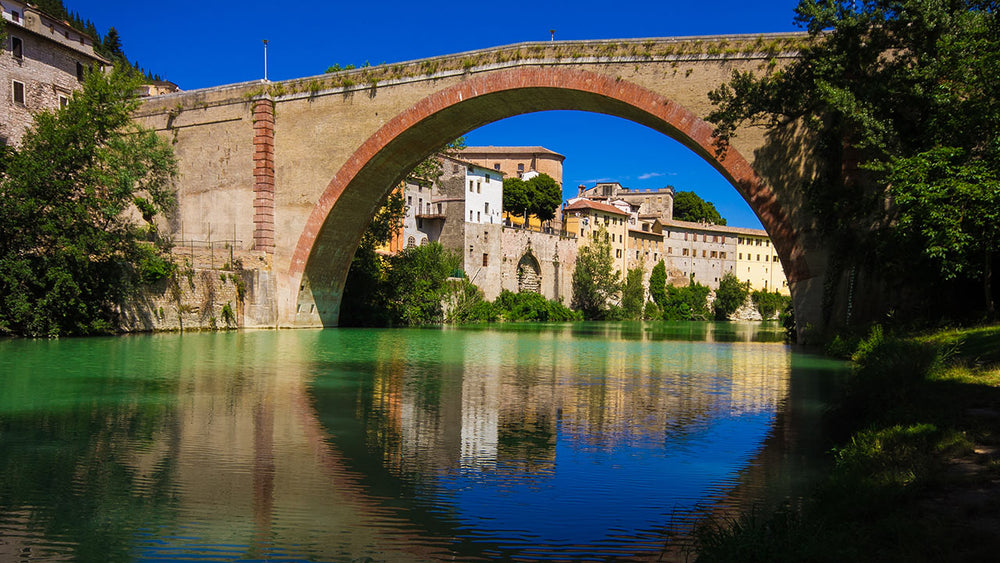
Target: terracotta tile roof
{"type": "Point", "coordinates": [597, 206]}
{"type": "Point", "coordinates": [505, 150]}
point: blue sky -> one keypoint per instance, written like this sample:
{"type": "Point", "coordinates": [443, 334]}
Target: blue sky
{"type": "Point", "coordinates": [210, 43]}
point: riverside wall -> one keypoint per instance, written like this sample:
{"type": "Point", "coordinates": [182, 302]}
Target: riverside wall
{"type": "Point", "coordinates": [204, 299]}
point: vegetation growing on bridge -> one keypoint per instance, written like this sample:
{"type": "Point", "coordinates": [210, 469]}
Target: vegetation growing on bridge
{"type": "Point", "coordinates": [349, 76]}
{"type": "Point", "coordinates": [72, 244]}
{"type": "Point", "coordinates": [908, 90]}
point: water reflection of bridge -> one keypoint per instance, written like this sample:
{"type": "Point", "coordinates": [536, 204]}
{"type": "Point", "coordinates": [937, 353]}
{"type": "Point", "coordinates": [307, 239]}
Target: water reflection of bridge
{"type": "Point", "coordinates": [244, 456]}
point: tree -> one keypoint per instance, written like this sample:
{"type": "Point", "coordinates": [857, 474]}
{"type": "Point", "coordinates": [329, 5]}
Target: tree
{"type": "Point", "coordinates": [539, 196]}
{"type": "Point", "coordinates": [730, 296]}
{"type": "Point", "coordinates": [516, 200]}
{"type": "Point", "coordinates": [70, 250]}
{"type": "Point", "coordinates": [111, 47]}
{"type": "Point", "coordinates": [633, 295]}
{"type": "Point", "coordinates": [365, 301]}
{"type": "Point", "coordinates": [907, 88]}
{"type": "Point", "coordinates": [658, 283]}
{"type": "Point", "coordinates": [417, 278]}
{"type": "Point", "coordinates": [596, 282]}
{"type": "Point", "coordinates": [545, 196]}
{"type": "Point", "coordinates": [688, 206]}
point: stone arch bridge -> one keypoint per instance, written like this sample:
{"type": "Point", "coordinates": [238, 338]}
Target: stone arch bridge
{"type": "Point", "coordinates": [293, 171]}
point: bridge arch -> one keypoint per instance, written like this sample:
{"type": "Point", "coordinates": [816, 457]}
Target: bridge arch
{"type": "Point", "coordinates": [333, 229]}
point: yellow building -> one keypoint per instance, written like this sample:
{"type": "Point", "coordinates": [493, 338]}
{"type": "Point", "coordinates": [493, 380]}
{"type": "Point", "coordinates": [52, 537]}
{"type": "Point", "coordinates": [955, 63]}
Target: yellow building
{"type": "Point", "coordinates": [758, 262]}
{"type": "Point", "coordinates": [586, 219]}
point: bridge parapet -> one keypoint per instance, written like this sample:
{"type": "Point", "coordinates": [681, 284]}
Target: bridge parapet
{"type": "Point", "coordinates": [767, 48]}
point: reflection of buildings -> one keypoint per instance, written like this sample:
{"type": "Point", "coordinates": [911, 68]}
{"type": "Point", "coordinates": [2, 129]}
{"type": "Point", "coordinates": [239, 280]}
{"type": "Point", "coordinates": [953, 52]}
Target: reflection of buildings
{"type": "Point", "coordinates": [505, 409]}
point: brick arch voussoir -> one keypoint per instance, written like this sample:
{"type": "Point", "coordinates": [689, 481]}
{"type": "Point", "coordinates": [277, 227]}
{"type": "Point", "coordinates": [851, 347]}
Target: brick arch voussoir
{"type": "Point", "coordinates": [697, 132]}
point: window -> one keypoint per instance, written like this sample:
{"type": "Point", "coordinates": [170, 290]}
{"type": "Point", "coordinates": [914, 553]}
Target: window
{"type": "Point", "coordinates": [18, 92]}
{"type": "Point", "coordinates": [486, 259]}
{"type": "Point", "coordinates": [471, 187]}
{"type": "Point", "coordinates": [723, 239]}
{"type": "Point", "coordinates": [722, 255]}
{"type": "Point", "coordinates": [471, 249]}
{"type": "Point", "coordinates": [496, 166]}
{"type": "Point", "coordinates": [714, 254]}
{"type": "Point", "coordinates": [16, 47]}
{"type": "Point", "coordinates": [479, 187]}
{"type": "Point", "coordinates": [487, 178]}
{"type": "Point", "coordinates": [704, 238]}
{"type": "Point", "coordinates": [411, 242]}
{"type": "Point", "coordinates": [478, 216]}
{"type": "Point", "coordinates": [703, 253]}
{"type": "Point", "coordinates": [15, 16]}
{"type": "Point", "coordinates": [741, 255]}
{"type": "Point", "coordinates": [581, 232]}
{"type": "Point", "coordinates": [409, 201]}
{"type": "Point", "coordinates": [79, 71]}
{"type": "Point", "coordinates": [670, 250]}
{"type": "Point", "coordinates": [486, 208]}
{"type": "Point", "coordinates": [520, 167]}
{"type": "Point", "coordinates": [618, 253]}
{"type": "Point", "coordinates": [685, 236]}
{"type": "Point", "coordinates": [440, 210]}
{"type": "Point", "coordinates": [775, 258]}
{"type": "Point", "coordinates": [63, 101]}
{"type": "Point", "coordinates": [758, 257]}
{"type": "Point", "coordinates": [470, 215]}
{"type": "Point", "coordinates": [686, 252]}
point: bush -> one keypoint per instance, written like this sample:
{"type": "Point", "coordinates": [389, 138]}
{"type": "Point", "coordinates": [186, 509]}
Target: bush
{"type": "Point", "coordinates": [768, 303]}
{"type": "Point", "coordinates": [689, 303]}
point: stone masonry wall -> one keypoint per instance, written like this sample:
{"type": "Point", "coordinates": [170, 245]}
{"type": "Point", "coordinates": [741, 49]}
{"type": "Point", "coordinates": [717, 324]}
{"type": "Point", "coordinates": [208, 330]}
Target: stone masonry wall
{"type": "Point", "coordinates": [195, 299]}
{"type": "Point", "coordinates": [556, 256]}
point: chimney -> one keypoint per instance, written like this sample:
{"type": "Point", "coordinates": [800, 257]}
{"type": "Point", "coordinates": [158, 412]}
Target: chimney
{"type": "Point", "coordinates": [581, 189]}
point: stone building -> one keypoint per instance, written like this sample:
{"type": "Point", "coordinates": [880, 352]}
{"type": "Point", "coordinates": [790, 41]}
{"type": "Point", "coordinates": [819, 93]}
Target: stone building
{"type": "Point", "coordinates": [462, 211]}
{"type": "Point", "coordinates": [42, 63]}
{"type": "Point", "coordinates": [515, 162]}
{"type": "Point", "coordinates": [648, 204]}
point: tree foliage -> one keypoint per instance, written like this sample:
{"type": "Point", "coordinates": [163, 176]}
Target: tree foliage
{"type": "Point", "coordinates": [730, 296]}
{"type": "Point", "coordinates": [658, 284]}
{"type": "Point", "coordinates": [689, 206]}
{"type": "Point", "coordinates": [539, 196]}
{"type": "Point", "coordinates": [365, 301]}
{"type": "Point", "coordinates": [429, 170]}
{"type": "Point", "coordinates": [908, 89]}
{"type": "Point", "coordinates": [633, 295]}
{"type": "Point", "coordinates": [596, 282]}
{"type": "Point", "coordinates": [688, 303]}
{"type": "Point", "coordinates": [418, 277]}
{"type": "Point", "coordinates": [769, 303]}
{"type": "Point", "coordinates": [70, 250]}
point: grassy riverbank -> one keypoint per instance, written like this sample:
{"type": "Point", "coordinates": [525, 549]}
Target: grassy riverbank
{"type": "Point", "coordinates": [916, 476]}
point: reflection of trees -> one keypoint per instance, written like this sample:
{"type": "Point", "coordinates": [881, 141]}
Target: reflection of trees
{"type": "Point", "coordinates": [89, 475]}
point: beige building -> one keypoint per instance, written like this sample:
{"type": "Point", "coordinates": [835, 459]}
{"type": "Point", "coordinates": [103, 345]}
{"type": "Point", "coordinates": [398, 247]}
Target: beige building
{"type": "Point", "coordinates": [588, 219]}
{"type": "Point", "coordinates": [700, 251]}
{"type": "Point", "coordinates": [42, 63]}
{"type": "Point", "coordinates": [515, 162]}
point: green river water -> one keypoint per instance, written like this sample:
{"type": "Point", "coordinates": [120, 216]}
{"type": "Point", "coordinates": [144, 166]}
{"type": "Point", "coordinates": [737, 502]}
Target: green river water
{"type": "Point", "coordinates": [583, 441]}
